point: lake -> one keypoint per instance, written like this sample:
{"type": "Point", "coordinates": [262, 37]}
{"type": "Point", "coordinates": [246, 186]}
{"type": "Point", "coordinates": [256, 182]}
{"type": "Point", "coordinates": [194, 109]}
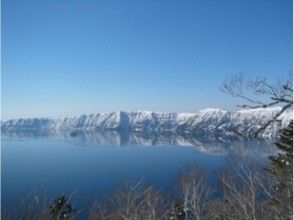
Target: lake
{"type": "Point", "coordinates": [91, 165]}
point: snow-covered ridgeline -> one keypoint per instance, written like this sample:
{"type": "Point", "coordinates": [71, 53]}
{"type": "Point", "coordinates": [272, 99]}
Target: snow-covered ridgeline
{"type": "Point", "coordinates": [214, 122]}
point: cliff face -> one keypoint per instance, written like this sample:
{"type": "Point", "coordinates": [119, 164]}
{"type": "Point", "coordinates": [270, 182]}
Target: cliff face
{"type": "Point", "coordinates": [209, 122]}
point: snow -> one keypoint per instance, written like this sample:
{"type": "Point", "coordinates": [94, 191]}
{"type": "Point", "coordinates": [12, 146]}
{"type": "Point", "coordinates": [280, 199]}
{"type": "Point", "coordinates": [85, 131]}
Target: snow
{"type": "Point", "coordinates": [210, 122]}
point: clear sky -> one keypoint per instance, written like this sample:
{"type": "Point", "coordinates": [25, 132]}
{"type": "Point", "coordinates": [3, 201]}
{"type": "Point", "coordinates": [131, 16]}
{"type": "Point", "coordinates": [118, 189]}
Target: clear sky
{"type": "Point", "coordinates": [64, 57]}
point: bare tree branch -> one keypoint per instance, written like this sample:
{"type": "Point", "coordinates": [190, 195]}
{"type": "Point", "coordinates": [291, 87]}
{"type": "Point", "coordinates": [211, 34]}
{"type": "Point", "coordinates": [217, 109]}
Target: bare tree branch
{"type": "Point", "coordinates": [282, 96]}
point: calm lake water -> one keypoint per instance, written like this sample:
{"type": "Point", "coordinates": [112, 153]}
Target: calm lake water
{"type": "Point", "coordinates": [92, 165]}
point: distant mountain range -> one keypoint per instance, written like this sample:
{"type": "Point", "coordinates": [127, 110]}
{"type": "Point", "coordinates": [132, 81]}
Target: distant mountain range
{"type": "Point", "coordinates": [206, 122]}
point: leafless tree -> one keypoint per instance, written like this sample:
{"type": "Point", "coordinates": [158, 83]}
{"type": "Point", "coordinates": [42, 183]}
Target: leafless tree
{"type": "Point", "coordinates": [133, 201]}
{"type": "Point", "coordinates": [194, 191]}
{"type": "Point", "coordinates": [100, 211]}
{"type": "Point", "coordinates": [129, 200]}
{"type": "Point", "coordinates": [247, 189]}
{"type": "Point", "coordinates": [32, 205]}
{"type": "Point", "coordinates": [255, 91]}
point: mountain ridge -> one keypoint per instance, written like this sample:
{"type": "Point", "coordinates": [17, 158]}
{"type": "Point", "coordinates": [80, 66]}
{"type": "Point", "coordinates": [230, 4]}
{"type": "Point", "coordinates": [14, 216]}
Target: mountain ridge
{"type": "Point", "coordinates": [216, 122]}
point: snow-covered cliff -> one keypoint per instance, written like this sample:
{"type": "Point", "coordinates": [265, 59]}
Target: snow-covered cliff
{"type": "Point", "coordinates": [209, 122]}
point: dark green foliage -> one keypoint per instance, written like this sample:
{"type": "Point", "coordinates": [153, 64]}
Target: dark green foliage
{"type": "Point", "coordinates": [61, 209]}
{"type": "Point", "coordinates": [177, 212]}
{"type": "Point", "coordinates": [282, 169]}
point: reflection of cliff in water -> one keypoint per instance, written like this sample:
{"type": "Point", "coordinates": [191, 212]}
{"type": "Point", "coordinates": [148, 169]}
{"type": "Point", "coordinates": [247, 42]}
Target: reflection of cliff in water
{"type": "Point", "coordinates": [258, 147]}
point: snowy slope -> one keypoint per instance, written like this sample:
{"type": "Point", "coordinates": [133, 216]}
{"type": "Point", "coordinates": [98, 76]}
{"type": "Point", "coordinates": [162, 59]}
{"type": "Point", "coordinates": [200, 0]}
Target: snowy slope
{"type": "Point", "coordinates": [209, 122]}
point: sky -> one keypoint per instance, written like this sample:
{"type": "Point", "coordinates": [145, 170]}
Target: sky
{"type": "Point", "coordinates": [65, 58]}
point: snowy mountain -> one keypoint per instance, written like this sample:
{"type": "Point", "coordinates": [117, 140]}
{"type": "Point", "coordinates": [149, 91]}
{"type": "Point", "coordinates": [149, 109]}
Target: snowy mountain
{"type": "Point", "coordinates": [208, 122]}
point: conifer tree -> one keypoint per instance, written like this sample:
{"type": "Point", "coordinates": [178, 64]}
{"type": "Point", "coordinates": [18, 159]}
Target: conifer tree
{"type": "Point", "coordinates": [282, 169]}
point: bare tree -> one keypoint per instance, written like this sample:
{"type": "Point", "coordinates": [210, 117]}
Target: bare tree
{"type": "Point", "coordinates": [247, 189]}
{"type": "Point", "coordinates": [100, 211]}
{"type": "Point", "coordinates": [133, 201]}
{"type": "Point", "coordinates": [194, 191]}
{"type": "Point", "coordinates": [258, 93]}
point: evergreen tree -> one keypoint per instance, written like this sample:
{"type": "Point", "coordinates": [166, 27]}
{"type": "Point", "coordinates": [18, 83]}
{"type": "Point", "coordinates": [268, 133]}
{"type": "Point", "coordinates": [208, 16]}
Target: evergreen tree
{"type": "Point", "coordinates": [282, 169]}
{"type": "Point", "coordinates": [61, 209]}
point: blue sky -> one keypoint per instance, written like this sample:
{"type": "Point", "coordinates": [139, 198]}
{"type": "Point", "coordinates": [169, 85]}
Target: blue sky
{"type": "Point", "coordinates": [70, 57]}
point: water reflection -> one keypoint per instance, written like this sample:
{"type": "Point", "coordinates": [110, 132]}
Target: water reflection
{"type": "Point", "coordinates": [95, 163]}
{"type": "Point", "coordinates": [221, 146]}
